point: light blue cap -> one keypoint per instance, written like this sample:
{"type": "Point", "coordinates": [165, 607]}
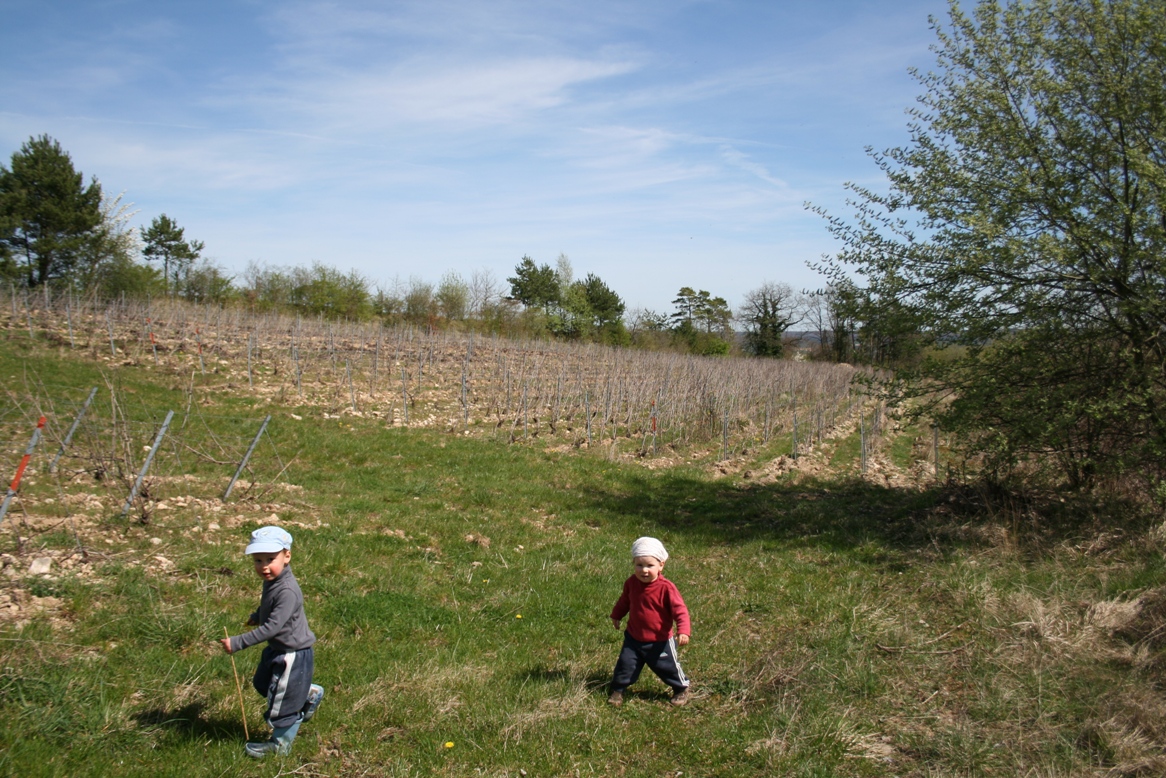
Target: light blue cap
{"type": "Point", "coordinates": [269, 540]}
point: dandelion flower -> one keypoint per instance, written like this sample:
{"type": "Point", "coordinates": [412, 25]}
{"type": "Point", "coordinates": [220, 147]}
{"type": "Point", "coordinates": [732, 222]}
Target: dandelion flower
{"type": "Point", "coordinates": [449, 744]}
{"type": "Point", "coordinates": [518, 616]}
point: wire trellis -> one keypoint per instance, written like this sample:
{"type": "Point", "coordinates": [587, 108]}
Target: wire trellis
{"type": "Point", "coordinates": [518, 390]}
{"type": "Point", "coordinates": [105, 444]}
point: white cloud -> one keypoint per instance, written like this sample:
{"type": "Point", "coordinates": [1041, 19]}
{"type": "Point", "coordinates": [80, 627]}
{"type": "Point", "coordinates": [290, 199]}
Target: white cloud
{"type": "Point", "coordinates": [456, 97]}
{"type": "Point", "coordinates": [740, 160]}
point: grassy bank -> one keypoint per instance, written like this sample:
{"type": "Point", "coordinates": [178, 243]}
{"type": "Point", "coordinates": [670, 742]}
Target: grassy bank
{"type": "Point", "coordinates": [460, 588]}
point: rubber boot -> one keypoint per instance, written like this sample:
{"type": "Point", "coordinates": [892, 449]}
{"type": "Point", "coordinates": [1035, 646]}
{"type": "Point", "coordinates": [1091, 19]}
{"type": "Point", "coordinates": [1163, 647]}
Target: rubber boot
{"type": "Point", "coordinates": [315, 696]}
{"type": "Point", "coordinates": [284, 736]}
{"type": "Point", "coordinates": [260, 749]}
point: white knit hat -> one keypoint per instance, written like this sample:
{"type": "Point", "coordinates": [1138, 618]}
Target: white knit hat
{"type": "Point", "coordinates": [649, 547]}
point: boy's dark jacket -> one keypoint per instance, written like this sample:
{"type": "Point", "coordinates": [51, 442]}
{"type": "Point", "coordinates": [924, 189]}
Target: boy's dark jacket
{"type": "Point", "coordinates": [280, 617]}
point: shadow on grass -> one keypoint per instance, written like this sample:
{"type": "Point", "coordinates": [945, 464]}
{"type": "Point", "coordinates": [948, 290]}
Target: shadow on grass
{"type": "Point", "coordinates": [596, 681]}
{"type": "Point", "coordinates": [646, 690]}
{"type": "Point", "coordinates": [189, 723]}
{"type": "Point", "coordinates": [838, 515]}
{"type": "Point", "coordinates": [542, 674]}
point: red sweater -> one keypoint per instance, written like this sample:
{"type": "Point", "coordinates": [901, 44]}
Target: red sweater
{"type": "Point", "coordinates": [651, 609]}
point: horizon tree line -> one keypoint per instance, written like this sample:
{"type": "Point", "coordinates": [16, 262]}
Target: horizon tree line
{"type": "Point", "coordinates": [58, 229]}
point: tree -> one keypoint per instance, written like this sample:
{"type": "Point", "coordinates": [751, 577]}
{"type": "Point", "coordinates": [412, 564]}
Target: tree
{"type": "Point", "coordinates": [886, 332]}
{"type": "Point", "coordinates": [564, 272]}
{"type": "Point", "coordinates": [573, 319]}
{"type": "Point", "coordinates": [647, 320]}
{"type": "Point", "coordinates": [453, 297]}
{"type": "Point", "coordinates": [1025, 223]}
{"type": "Point", "coordinates": [165, 241]}
{"type": "Point", "coordinates": [767, 312]}
{"type": "Point", "coordinates": [120, 275]}
{"type": "Point", "coordinates": [206, 282]}
{"type": "Point", "coordinates": [324, 291]}
{"type": "Point", "coordinates": [389, 304]}
{"type": "Point", "coordinates": [694, 309]}
{"type": "Point", "coordinates": [687, 302]}
{"type": "Point", "coordinates": [8, 267]}
{"type": "Point", "coordinates": [484, 291]}
{"type": "Point", "coordinates": [592, 310]}
{"type": "Point", "coordinates": [420, 304]}
{"type": "Point", "coordinates": [815, 313]}
{"type": "Point", "coordinates": [648, 329]}
{"type": "Point", "coordinates": [701, 308]}
{"type": "Point", "coordinates": [115, 268]}
{"type": "Point", "coordinates": [715, 314]}
{"type": "Point", "coordinates": [535, 286]}
{"type": "Point", "coordinates": [49, 220]}
{"type": "Point", "coordinates": [266, 288]}
{"type": "Point", "coordinates": [829, 313]}
{"type": "Point", "coordinates": [606, 306]}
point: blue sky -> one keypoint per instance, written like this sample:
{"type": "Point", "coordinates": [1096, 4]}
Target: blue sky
{"type": "Point", "coordinates": [656, 144]}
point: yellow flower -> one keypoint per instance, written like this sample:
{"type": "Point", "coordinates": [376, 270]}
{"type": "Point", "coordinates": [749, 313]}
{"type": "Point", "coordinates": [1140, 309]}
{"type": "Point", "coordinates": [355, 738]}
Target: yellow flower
{"type": "Point", "coordinates": [449, 744]}
{"type": "Point", "coordinates": [518, 616]}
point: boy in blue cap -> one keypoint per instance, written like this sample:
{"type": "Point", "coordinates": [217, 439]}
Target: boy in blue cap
{"type": "Point", "coordinates": [284, 674]}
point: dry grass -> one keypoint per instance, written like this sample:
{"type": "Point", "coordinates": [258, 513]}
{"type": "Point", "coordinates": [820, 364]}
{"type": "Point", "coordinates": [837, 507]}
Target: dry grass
{"type": "Point", "coordinates": [576, 703]}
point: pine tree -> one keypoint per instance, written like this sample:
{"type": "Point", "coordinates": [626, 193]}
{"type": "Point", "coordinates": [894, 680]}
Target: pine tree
{"type": "Point", "coordinates": [50, 221]}
{"type": "Point", "coordinates": [165, 240]}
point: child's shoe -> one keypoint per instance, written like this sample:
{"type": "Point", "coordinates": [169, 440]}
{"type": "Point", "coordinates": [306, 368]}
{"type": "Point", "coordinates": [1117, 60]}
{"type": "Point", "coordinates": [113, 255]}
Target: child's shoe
{"type": "Point", "coordinates": [679, 697]}
{"type": "Point", "coordinates": [280, 743]}
{"type": "Point", "coordinates": [260, 750]}
{"type": "Point", "coordinates": [615, 699]}
{"type": "Point", "coordinates": [315, 695]}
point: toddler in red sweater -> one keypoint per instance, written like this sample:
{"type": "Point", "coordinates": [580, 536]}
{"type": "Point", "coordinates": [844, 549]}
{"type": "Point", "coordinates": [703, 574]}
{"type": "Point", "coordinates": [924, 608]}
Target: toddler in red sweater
{"type": "Point", "coordinates": [652, 604]}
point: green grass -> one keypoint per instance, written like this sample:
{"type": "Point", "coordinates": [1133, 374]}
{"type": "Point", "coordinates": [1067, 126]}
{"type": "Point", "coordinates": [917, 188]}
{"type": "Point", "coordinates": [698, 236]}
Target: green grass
{"type": "Point", "coordinates": [907, 447]}
{"type": "Point", "coordinates": [839, 628]}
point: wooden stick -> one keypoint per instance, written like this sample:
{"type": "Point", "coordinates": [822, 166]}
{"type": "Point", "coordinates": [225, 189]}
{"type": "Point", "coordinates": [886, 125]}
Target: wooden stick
{"type": "Point", "coordinates": [238, 688]}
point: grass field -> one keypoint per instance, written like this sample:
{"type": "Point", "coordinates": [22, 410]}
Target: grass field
{"type": "Point", "coordinates": [460, 587]}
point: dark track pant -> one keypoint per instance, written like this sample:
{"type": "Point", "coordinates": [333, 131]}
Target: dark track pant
{"type": "Point", "coordinates": [284, 678]}
{"type": "Point", "coordinates": [660, 657]}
